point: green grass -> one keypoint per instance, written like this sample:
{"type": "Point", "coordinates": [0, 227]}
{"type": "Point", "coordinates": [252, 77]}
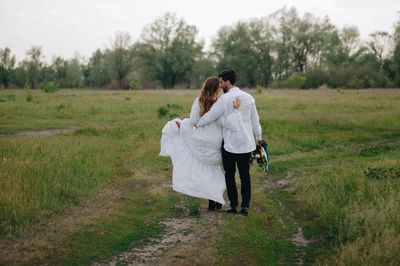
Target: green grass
{"type": "Point", "coordinates": [109, 237]}
{"type": "Point", "coordinates": [342, 150]}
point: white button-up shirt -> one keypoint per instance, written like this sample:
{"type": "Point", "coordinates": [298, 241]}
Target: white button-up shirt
{"type": "Point", "coordinates": [239, 139]}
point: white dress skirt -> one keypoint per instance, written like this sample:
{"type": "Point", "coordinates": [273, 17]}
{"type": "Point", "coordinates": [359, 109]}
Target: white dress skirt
{"type": "Point", "coordinates": [196, 156]}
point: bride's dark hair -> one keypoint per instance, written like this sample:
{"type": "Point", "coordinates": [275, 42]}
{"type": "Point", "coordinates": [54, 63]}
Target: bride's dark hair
{"type": "Point", "coordinates": [208, 94]}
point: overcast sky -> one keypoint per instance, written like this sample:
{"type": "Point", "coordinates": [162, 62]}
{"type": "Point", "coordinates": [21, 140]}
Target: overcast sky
{"type": "Point", "coordinates": [62, 27]}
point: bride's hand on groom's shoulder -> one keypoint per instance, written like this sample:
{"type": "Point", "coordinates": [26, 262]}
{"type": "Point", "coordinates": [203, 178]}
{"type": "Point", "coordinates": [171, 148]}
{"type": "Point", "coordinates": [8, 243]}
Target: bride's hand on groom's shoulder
{"type": "Point", "coordinates": [237, 103]}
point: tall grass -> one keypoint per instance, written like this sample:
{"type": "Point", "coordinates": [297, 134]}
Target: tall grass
{"type": "Point", "coordinates": [42, 177]}
{"type": "Point", "coordinates": [331, 139]}
{"type": "Point", "coordinates": [344, 150]}
{"type": "Point", "coordinates": [361, 210]}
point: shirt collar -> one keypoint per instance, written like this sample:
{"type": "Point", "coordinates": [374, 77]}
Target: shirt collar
{"type": "Point", "coordinates": [233, 89]}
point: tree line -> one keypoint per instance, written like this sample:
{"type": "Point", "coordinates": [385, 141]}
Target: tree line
{"type": "Point", "coordinates": [281, 50]}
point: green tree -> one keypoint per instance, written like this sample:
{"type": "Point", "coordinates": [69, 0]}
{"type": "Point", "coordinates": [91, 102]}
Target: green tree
{"type": "Point", "coordinates": [261, 46]}
{"type": "Point", "coordinates": [7, 66]}
{"type": "Point", "coordinates": [395, 66]}
{"type": "Point", "coordinates": [379, 44]}
{"type": "Point", "coordinates": [168, 50]}
{"type": "Point", "coordinates": [282, 28]}
{"type": "Point", "coordinates": [392, 66]}
{"type": "Point", "coordinates": [308, 40]}
{"type": "Point", "coordinates": [32, 65]}
{"type": "Point", "coordinates": [202, 69]}
{"type": "Point", "coordinates": [339, 47]}
{"type": "Point", "coordinates": [233, 50]}
{"type": "Point", "coordinates": [73, 73]}
{"type": "Point", "coordinates": [59, 66]}
{"type": "Point", "coordinates": [120, 58]}
{"type": "Point", "coordinates": [99, 73]}
{"type": "Point", "coordinates": [246, 47]}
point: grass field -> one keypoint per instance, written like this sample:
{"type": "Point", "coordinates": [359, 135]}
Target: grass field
{"type": "Point", "coordinates": [331, 198]}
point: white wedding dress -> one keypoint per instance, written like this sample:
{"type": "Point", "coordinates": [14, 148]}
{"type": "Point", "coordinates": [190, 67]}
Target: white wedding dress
{"type": "Point", "coordinates": [196, 155]}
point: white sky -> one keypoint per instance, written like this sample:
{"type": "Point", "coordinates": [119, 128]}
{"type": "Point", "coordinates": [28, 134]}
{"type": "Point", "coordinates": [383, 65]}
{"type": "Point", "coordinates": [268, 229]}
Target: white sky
{"type": "Point", "coordinates": [62, 27]}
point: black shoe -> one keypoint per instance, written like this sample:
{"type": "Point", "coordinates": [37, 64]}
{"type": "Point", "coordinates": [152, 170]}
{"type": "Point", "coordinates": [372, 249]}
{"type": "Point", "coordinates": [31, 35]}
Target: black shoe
{"type": "Point", "coordinates": [231, 210]}
{"type": "Point", "coordinates": [244, 211]}
{"type": "Point", "coordinates": [218, 206]}
{"type": "Point", "coordinates": [211, 205]}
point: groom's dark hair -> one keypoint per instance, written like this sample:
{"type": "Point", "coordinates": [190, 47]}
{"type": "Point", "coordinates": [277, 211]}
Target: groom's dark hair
{"type": "Point", "coordinates": [228, 75]}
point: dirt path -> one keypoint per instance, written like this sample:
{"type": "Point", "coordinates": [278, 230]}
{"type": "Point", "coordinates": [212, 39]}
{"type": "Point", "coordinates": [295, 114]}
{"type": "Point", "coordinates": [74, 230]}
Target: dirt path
{"type": "Point", "coordinates": [42, 133]}
{"type": "Point", "coordinates": [180, 244]}
{"type": "Point", "coordinates": [192, 240]}
{"type": "Point", "coordinates": [176, 231]}
{"type": "Point", "coordinates": [297, 238]}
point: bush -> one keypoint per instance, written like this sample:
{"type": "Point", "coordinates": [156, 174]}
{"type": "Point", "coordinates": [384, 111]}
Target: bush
{"type": "Point", "coordinates": [113, 85]}
{"type": "Point", "coordinates": [352, 77]}
{"type": "Point", "coordinates": [172, 109]}
{"type": "Point", "coordinates": [295, 81]}
{"type": "Point", "coordinates": [259, 89]}
{"type": "Point", "coordinates": [29, 97]}
{"type": "Point", "coordinates": [355, 83]}
{"type": "Point", "coordinates": [357, 77]}
{"type": "Point", "coordinates": [50, 87]}
{"type": "Point", "coordinates": [316, 78]}
{"type": "Point", "coordinates": [134, 82]}
{"type": "Point", "coordinates": [162, 111]}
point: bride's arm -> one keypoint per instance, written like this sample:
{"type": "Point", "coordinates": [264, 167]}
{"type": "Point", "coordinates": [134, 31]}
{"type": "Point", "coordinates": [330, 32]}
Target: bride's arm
{"type": "Point", "coordinates": [217, 110]}
{"type": "Point", "coordinates": [213, 114]}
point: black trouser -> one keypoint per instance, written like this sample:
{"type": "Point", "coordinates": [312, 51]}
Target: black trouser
{"type": "Point", "coordinates": [242, 160]}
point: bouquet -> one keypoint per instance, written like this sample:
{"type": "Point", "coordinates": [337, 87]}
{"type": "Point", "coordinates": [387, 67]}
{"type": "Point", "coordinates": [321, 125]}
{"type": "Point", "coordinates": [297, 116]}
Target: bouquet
{"type": "Point", "coordinates": [261, 156]}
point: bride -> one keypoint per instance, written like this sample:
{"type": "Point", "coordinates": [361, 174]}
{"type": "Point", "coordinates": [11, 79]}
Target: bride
{"type": "Point", "coordinates": [196, 152]}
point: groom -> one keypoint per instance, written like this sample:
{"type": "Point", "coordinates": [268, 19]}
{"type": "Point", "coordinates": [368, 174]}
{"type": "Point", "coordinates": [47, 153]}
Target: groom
{"type": "Point", "coordinates": [237, 143]}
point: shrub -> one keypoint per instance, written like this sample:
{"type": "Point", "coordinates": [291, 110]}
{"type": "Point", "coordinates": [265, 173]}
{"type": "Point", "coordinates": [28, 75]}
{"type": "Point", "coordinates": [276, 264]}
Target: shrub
{"type": "Point", "coordinates": [316, 78]}
{"type": "Point", "coordinates": [162, 111]}
{"type": "Point", "coordinates": [295, 81]}
{"type": "Point", "coordinates": [28, 97]}
{"type": "Point", "coordinates": [355, 83]}
{"type": "Point", "coordinates": [50, 87]}
{"type": "Point", "coordinates": [259, 89]}
{"type": "Point", "coordinates": [135, 83]}
{"type": "Point", "coordinates": [356, 77]}
{"type": "Point", "coordinates": [113, 85]}
{"type": "Point", "coordinates": [171, 108]}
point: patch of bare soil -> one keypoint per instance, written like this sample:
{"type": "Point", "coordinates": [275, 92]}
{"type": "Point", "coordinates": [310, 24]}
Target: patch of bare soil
{"type": "Point", "coordinates": [200, 249]}
{"type": "Point", "coordinates": [43, 133]}
{"type": "Point", "coordinates": [271, 185]}
{"type": "Point", "coordinates": [176, 231]}
{"type": "Point", "coordinates": [185, 241]}
{"type": "Point", "coordinates": [301, 243]}
{"type": "Point", "coordinates": [298, 239]}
